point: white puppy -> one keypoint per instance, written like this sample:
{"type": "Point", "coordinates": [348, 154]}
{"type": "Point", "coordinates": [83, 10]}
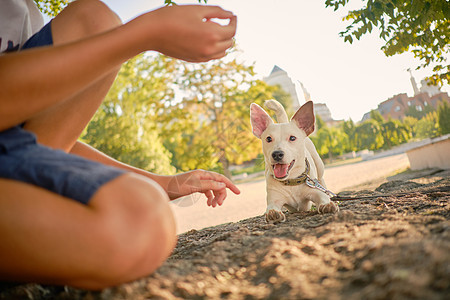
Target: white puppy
{"type": "Point", "coordinates": [294, 170]}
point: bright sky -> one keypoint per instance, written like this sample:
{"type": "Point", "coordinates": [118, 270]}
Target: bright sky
{"type": "Point", "coordinates": [302, 37]}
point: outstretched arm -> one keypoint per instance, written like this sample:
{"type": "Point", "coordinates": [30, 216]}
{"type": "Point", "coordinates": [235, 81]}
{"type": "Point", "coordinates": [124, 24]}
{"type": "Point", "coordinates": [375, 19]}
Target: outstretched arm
{"type": "Point", "coordinates": [211, 184]}
{"type": "Point", "coordinates": [49, 74]}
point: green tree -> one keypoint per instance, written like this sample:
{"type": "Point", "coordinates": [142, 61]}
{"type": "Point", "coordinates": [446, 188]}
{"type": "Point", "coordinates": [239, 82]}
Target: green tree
{"type": "Point", "coordinates": [211, 122]}
{"type": "Point", "coordinates": [368, 135]}
{"type": "Point", "coordinates": [409, 123]}
{"type": "Point", "coordinates": [419, 26]}
{"type": "Point", "coordinates": [394, 133]}
{"type": "Point", "coordinates": [376, 116]}
{"type": "Point", "coordinates": [349, 129]}
{"type": "Point", "coordinates": [330, 141]}
{"type": "Point", "coordinates": [444, 117]}
{"type": "Point", "coordinates": [427, 127]}
{"type": "Point", "coordinates": [412, 111]}
{"type": "Point", "coordinates": [127, 124]}
{"type": "Point", "coordinates": [319, 123]}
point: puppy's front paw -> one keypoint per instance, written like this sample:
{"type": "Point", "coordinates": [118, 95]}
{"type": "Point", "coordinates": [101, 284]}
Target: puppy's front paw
{"type": "Point", "coordinates": [275, 216]}
{"type": "Point", "coordinates": [328, 208]}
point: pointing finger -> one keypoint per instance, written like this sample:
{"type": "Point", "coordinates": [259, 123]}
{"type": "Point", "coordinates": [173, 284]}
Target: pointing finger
{"type": "Point", "coordinates": [220, 178]}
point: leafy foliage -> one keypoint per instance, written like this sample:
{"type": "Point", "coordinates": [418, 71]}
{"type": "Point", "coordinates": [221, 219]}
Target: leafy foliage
{"type": "Point", "coordinates": [211, 127]}
{"type": "Point", "coordinates": [165, 115]}
{"type": "Point", "coordinates": [368, 135]}
{"type": "Point", "coordinates": [419, 26]}
{"type": "Point", "coordinates": [394, 133]}
{"type": "Point", "coordinates": [412, 111]}
{"type": "Point", "coordinates": [330, 141]}
{"type": "Point", "coordinates": [170, 2]}
{"type": "Point", "coordinates": [126, 126]}
{"type": "Point", "coordinates": [51, 7]}
{"type": "Point", "coordinates": [427, 127]}
{"type": "Point", "coordinates": [444, 117]}
{"type": "Point", "coordinates": [319, 123]}
{"type": "Point", "coordinates": [162, 112]}
{"type": "Point", "coordinates": [409, 123]}
{"type": "Point", "coordinates": [349, 129]}
{"type": "Point", "coordinates": [379, 134]}
{"type": "Point", "coordinates": [376, 116]}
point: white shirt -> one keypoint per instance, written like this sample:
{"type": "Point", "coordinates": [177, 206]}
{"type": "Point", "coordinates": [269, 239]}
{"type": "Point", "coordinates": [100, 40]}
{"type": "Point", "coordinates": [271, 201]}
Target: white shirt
{"type": "Point", "coordinates": [19, 20]}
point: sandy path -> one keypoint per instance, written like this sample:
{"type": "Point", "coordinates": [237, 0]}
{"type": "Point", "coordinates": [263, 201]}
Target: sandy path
{"type": "Point", "coordinates": [193, 213]}
{"type": "Point", "coordinates": [341, 177]}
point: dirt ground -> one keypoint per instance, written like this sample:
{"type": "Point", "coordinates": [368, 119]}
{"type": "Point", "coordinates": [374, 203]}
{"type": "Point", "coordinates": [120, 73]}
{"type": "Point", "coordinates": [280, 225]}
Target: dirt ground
{"type": "Point", "coordinates": [392, 242]}
{"type": "Point", "coordinates": [192, 213]}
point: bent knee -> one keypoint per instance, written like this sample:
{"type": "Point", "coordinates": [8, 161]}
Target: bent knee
{"type": "Point", "coordinates": [138, 228]}
{"type": "Point", "coordinates": [83, 18]}
{"type": "Point", "coordinates": [96, 16]}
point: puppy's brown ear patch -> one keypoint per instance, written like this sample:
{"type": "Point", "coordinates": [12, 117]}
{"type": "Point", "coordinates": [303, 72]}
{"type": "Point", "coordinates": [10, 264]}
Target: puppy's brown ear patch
{"type": "Point", "coordinates": [260, 119]}
{"type": "Point", "coordinates": [304, 118]}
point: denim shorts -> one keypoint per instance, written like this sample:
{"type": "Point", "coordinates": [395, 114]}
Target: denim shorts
{"type": "Point", "coordinates": [23, 159]}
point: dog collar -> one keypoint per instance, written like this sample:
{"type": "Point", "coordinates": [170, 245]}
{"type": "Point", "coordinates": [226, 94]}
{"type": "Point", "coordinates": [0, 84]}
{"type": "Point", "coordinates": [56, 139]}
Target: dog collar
{"type": "Point", "coordinates": [312, 183]}
{"type": "Point", "coordinates": [299, 180]}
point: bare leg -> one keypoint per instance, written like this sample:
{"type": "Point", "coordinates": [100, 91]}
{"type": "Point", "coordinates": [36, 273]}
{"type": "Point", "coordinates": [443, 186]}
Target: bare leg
{"type": "Point", "coordinates": [125, 232]}
{"type": "Point", "coordinates": [61, 125]}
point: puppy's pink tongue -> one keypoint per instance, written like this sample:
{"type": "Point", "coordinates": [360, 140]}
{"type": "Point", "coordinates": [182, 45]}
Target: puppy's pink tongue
{"type": "Point", "coordinates": [280, 170]}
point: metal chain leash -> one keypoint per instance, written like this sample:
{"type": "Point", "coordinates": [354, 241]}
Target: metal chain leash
{"type": "Point", "coordinates": [315, 184]}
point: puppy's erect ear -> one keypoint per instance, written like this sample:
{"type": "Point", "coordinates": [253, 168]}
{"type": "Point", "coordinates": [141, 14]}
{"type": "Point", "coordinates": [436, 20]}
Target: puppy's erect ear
{"type": "Point", "coordinates": [260, 119]}
{"type": "Point", "coordinates": [304, 118]}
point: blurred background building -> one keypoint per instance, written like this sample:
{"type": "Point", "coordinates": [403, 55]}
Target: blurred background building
{"type": "Point", "coordinates": [295, 88]}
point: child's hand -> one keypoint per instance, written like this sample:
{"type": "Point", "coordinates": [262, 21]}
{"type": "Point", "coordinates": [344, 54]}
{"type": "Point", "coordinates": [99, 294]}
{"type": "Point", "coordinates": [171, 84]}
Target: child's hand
{"type": "Point", "coordinates": [211, 184]}
{"type": "Point", "coordinates": [187, 32]}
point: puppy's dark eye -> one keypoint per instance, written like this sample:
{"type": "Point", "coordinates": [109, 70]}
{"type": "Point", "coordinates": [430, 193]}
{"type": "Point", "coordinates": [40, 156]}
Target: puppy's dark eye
{"type": "Point", "coordinates": [268, 139]}
{"type": "Point", "coordinates": [292, 138]}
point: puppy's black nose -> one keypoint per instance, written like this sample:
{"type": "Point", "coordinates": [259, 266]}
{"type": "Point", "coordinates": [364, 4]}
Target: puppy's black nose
{"type": "Point", "coordinates": [277, 155]}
